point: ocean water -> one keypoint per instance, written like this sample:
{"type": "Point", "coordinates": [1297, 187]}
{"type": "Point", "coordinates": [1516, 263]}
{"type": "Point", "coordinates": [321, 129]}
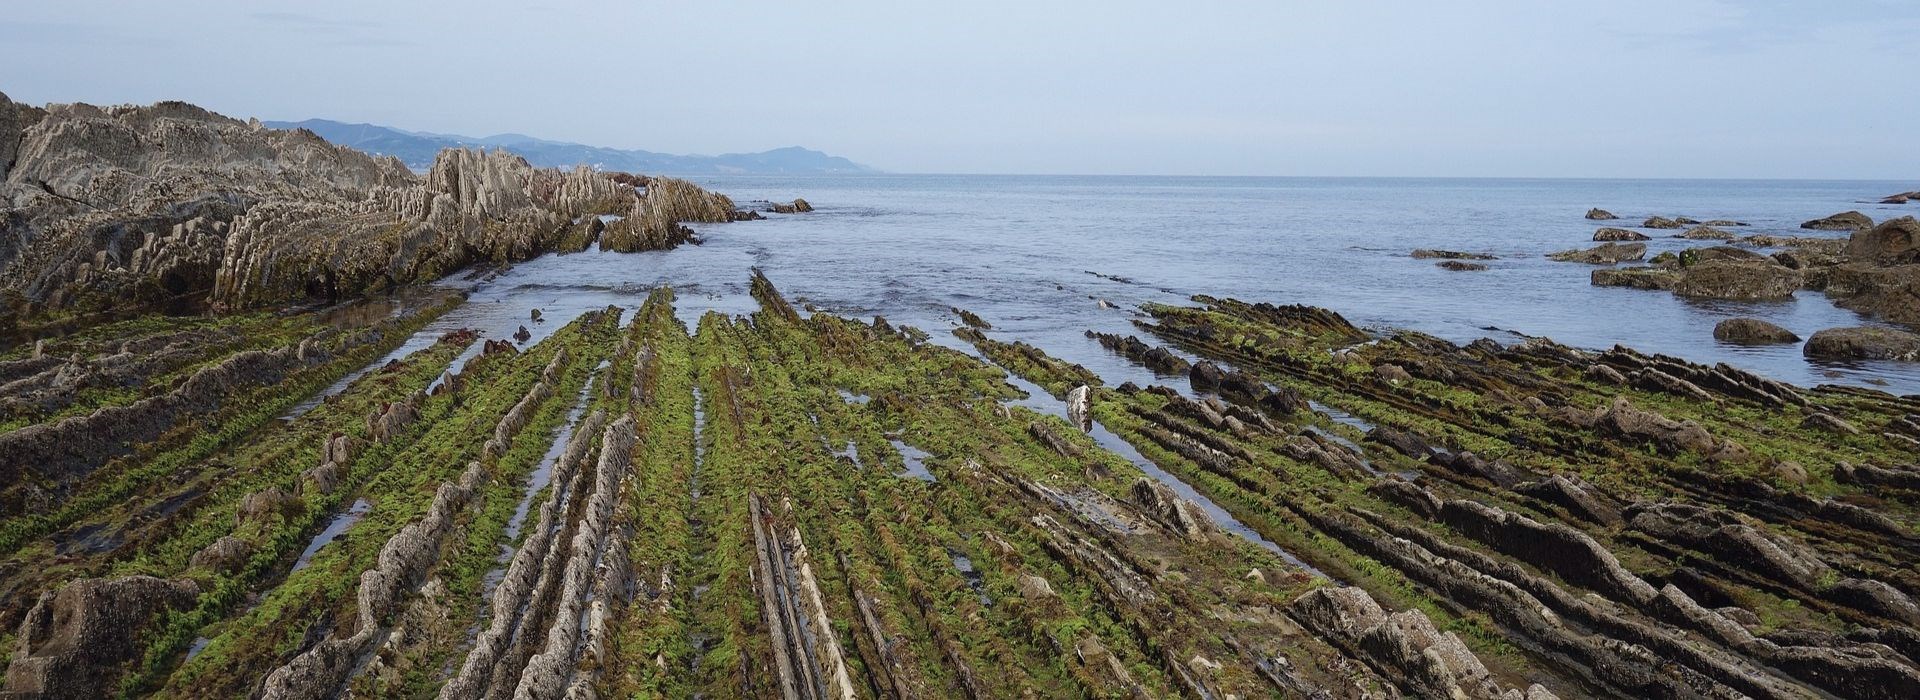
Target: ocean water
{"type": "Point", "coordinates": [1035, 255]}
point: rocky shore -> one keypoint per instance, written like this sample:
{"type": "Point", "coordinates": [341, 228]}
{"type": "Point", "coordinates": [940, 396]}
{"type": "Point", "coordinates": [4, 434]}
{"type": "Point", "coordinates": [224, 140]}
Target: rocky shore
{"type": "Point", "coordinates": [1874, 270]}
{"type": "Point", "coordinates": [794, 506]}
{"type": "Point", "coordinates": [231, 472]}
{"type": "Point", "coordinates": [111, 211]}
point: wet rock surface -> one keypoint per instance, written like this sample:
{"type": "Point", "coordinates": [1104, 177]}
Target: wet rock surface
{"type": "Point", "coordinates": [1752, 331]}
{"type": "Point", "coordinates": [1608, 233]}
{"type": "Point", "coordinates": [171, 206]}
{"type": "Point", "coordinates": [1603, 254]}
{"type": "Point", "coordinates": [1843, 221]}
{"type": "Point", "coordinates": [1864, 343]}
{"type": "Point", "coordinates": [780, 504]}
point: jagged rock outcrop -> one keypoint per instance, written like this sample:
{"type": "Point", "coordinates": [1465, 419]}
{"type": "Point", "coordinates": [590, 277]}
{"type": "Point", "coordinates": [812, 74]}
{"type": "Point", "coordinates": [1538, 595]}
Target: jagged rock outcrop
{"type": "Point", "coordinates": [174, 206]}
{"type": "Point", "coordinates": [74, 447]}
{"type": "Point", "coordinates": [1404, 646]}
{"type": "Point", "coordinates": [1177, 514]}
{"type": "Point", "coordinates": [1621, 420]}
{"type": "Point", "coordinates": [518, 601]}
{"type": "Point", "coordinates": [654, 221]}
{"type": "Point", "coordinates": [1161, 360]}
{"type": "Point", "coordinates": [320, 671]}
{"type": "Point", "coordinates": [72, 638]}
{"type": "Point", "coordinates": [548, 672]}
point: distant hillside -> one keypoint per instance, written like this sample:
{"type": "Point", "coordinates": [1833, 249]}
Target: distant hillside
{"type": "Point", "coordinates": [417, 150]}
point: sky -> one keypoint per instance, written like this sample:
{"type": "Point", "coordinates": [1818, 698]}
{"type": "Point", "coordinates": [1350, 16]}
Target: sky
{"type": "Point", "coordinates": [1546, 88]}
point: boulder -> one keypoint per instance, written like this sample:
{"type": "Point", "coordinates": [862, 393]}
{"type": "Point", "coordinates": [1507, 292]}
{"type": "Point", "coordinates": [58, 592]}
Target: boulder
{"type": "Point", "coordinates": [1863, 343]}
{"type": "Point", "coordinates": [1598, 214]}
{"type": "Point", "coordinates": [1661, 222]}
{"type": "Point", "coordinates": [1406, 646]}
{"type": "Point", "coordinates": [1609, 233]}
{"type": "Point", "coordinates": [1603, 254]}
{"type": "Point", "coordinates": [1458, 266]}
{"type": "Point", "coordinates": [1886, 292]}
{"type": "Point", "coordinates": [226, 555]}
{"type": "Point", "coordinates": [1724, 223]}
{"type": "Point", "coordinates": [1742, 281]}
{"type": "Point", "coordinates": [1392, 373]}
{"type": "Point", "coordinates": [1843, 221]}
{"type": "Point", "coordinates": [1622, 420]}
{"type": "Point", "coordinates": [1893, 242]}
{"type": "Point", "coordinates": [1752, 331]}
{"type": "Point", "coordinates": [1080, 407]}
{"type": "Point", "coordinates": [1178, 514]}
{"type": "Point", "coordinates": [263, 506]}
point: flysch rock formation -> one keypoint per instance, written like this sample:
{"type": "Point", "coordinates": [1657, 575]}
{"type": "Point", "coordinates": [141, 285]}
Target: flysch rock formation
{"type": "Point", "coordinates": [108, 209]}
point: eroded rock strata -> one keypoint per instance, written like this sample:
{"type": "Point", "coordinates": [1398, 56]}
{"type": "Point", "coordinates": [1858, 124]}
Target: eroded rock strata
{"type": "Point", "coordinates": [112, 210]}
{"type": "Point", "coordinates": [265, 498]}
{"type": "Point", "coordinates": [809, 506]}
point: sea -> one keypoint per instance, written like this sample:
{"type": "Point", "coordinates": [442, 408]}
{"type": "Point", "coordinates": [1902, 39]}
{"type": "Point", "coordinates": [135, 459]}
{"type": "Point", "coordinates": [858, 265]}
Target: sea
{"type": "Point", "coordinates": [1046, 258]}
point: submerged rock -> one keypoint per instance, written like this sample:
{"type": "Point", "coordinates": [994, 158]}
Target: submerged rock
{"type": "Point", "coordinates": [1661, 222]}
{"type": "Point", "coordinates": [1608, 233]}
{"type": "Point", "coordinates": [1706, 233]}
{"type": "Point", "coordinates": [1752, 331]}
{"type": "Point", "coordinates": [1458, 266]}
{"type": "Point", "coordinates": [1863, 343]}
{"type": "Point", "coordinates": [1603, 254]}
{"type": "Point", "coordinates": [1429, 254]}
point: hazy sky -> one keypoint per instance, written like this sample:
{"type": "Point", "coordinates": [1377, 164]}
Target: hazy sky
{"type": "Point", "coordinates": [1625, 88]}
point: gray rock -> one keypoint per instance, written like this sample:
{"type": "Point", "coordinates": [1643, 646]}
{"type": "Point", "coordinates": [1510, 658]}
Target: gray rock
{"type": "Point", "coordinates": [1863, 343]}
{"type": "Point", "coordinates": [1893, 242]}
{"type": "Point", "coordinates": [1740, 281]}
{"type": "Point", "coordinates": [74, 640]}
{"type": "Point", "coordinates": [1843, 221]}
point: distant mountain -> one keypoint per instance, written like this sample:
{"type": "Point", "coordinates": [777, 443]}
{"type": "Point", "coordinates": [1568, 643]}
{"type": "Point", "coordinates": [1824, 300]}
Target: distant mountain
{"type": "Point", "coordinates": [417, 150]}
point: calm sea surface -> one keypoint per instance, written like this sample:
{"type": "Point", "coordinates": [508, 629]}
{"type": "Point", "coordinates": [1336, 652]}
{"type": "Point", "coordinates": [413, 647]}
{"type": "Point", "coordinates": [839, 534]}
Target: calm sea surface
{"type": "Point", "coordinates": [1033, 254]}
